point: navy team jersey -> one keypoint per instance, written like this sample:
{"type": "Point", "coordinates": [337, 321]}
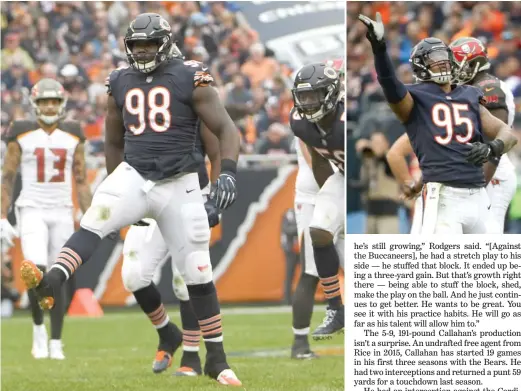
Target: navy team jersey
{"type": "Point", "coordinates": [161, 126]}
{"type": "Point", "coordinates": [331, 144]}
{"type": "Point", "coordinates": [441, 126]}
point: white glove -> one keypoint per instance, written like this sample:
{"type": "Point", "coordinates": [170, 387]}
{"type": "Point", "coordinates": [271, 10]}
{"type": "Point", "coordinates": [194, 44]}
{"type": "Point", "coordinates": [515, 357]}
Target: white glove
{"type": "Point", "coordinates": [8, 233]}
{"type": "Point", "coordinates": [375, 29]}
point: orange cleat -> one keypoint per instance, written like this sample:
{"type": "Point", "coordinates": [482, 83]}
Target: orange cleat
{"type": "Point", "coordinates": [228, 378]}
{"type": "Point", "coordinates": [32, 278]}
{"type": "Point", "coordinates": [186, 371]}
{"type": "Point", "coordinates": [162, 362]}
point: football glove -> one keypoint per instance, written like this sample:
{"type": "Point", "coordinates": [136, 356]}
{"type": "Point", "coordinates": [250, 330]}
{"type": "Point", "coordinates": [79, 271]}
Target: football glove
{"type": "Point", "coordinates": [480, 153]}
{"type": "Point", "coordinates": [226, 190]}
{"type": "Point", "coordinates": [375, 31]}
{"type": "Point", "coordinates": [8, 234]}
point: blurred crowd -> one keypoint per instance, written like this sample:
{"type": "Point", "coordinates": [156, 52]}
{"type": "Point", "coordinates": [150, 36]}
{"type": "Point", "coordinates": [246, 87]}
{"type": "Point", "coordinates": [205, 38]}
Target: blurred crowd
{"type": "Point", "coordinates": [372, 127]}
{"type": "Point", "coordinates": [80, 43]}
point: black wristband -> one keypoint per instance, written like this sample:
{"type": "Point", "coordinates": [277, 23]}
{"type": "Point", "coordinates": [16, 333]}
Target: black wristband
{"type": "Point", "coordinates": [229, 165]}
{"type": "Point", "coordinates": [497, 147]}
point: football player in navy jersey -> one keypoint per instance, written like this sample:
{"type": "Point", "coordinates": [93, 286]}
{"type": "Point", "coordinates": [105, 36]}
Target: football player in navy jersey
{"type": "Point", "coordinates": [318, 120]}
{"type": "Point", "coordinates": [153, 113]}
{"type": "Point", "coordinates": [471, 66]}
{"type": "Point", "coordinates": [446, 125]}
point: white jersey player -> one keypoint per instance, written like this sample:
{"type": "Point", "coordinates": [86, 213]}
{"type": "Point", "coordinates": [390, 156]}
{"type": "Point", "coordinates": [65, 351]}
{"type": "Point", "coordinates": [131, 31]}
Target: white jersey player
{"type": "Point", "coordinates": [49, 153]}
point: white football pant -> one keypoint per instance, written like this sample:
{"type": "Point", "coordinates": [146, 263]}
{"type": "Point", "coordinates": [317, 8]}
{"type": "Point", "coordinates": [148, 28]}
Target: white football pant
{"type": "Point", "coordinates": [176, 204]}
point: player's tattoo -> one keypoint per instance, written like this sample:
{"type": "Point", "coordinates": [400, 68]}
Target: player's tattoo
{"type": "Point", "coordinates": [80, 176]}
{"type": "Point", "coordinates": [9, 170]}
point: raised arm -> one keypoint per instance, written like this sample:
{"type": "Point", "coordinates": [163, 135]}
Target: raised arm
{"type": "Point", "coordinates": [400, 100]}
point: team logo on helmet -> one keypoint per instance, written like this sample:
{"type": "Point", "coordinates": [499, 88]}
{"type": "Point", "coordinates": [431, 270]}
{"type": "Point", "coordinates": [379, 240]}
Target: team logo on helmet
{"type": "Point", "coordinates": [164, 24]}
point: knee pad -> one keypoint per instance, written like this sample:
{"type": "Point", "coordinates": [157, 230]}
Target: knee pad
{"type": "Point", "coordinates": [197, 268]}
{"type": "Point", "coordinates": [132, 274]}
{"type": "Point", "coordinates": [196, 225]}
{"type": "Point", "coordinates": [96, 217]}
{"type": "Point", "coordinates": [180, 288]}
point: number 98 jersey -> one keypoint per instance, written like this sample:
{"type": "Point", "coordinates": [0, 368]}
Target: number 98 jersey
{"type": "Point", "coordinates": [161, 125]}
{"type": "Point", "coordinates": [441, 127]}
{"type": "Point", "coordinates": [331, 144]}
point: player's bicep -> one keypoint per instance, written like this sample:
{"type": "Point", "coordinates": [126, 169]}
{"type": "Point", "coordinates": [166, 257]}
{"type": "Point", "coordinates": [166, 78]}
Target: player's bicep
{"type": "Point", "coordinates": [212, 148]}
{"type": "Point", "coordinates": [500, 113]}
{"type": "Point", "coordinates": [79, 167]}
{"type": "Point", "coordinates": [211, 110]}
{"type": "Point", "coordinates": [403, 108]}
{"type": "Point", "coordinates": [490, 124]}
{"type": "Point", "coordinates": [114, 126]}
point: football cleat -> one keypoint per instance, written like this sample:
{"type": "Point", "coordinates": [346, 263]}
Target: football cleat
{"type": "Point", "coordinates": [34, 278]}
{"type": "Point", "coordinates": [301, 351]}
{"type": "Point", "coordinates": [162, 361]}
{"type": "Point", "coordinates": [228, 378]}
{"type": "Point", "coordinates": [56, 349]}
{"type": "Point", "coordinates": [333, 323]}
{"type": "Point", "coordinates": [40, 349]}
{"type": "Point", "coordinates": [186, 371]}
{"type": "Point", "coordinates": [166, 349]}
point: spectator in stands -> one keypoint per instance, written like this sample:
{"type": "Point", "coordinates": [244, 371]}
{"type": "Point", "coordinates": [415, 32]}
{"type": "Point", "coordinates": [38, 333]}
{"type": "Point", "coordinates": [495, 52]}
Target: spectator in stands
{"type": "Point", "coordinates": [13, 53]}
{"type": "Point", "coordinates": [275, 141]}
{"type": "Point", "coordinates": [258, 67]}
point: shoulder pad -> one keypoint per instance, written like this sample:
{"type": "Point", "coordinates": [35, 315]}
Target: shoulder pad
{"type": "Point", "coordinates": [493, 95]}
{"type": "Point", "coordinates": [112, 77]}
{"type": "Point", "coordinates": [17, 128]}
{"type": "Point", "coordinates": [201, 76]}
{"type": "Point", "coordinates": [74, 128]}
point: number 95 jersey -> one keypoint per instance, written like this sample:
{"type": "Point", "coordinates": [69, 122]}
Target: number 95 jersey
{"type": "Point", "coordinates": [441, 127]}
{"type": "Point", "coordinates": [330, 144]}
{"type": "Point", "coordinates": [160, 122]}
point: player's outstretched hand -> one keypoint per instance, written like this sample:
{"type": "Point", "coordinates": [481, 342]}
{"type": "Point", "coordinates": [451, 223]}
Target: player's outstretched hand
{"type": "Point", "coordinates": [375, 30]}
{"type": "Point", "coordinates": [478, 154]}
{"type": "Point", "coordinates": [8, 234]}
{"type": "Point", "coordinates": [226, 190]}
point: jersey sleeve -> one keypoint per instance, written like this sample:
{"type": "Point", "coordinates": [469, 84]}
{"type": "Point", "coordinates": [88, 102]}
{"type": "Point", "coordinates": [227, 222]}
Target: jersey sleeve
{"type": "Point", "coordinates": [493, 96]}
{"type": "Point", "coordinates": [74, 128]}
{"type": "Point", "coordinates": [17, 128]}
{"type": "Point", "coordinates": [201, 77]}
{"type": "Point", "coordinates": [294, 121]}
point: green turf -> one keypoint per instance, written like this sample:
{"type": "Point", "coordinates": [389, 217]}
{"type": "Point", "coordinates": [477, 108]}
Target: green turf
{"type": "Point", "coordinates": [115, 353]}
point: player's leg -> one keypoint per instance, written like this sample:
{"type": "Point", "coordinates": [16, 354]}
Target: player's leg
{"type": "Point", "coordinates": [442, 209]}
{"type": "Point", "coordinates": [34, 239]}
{"type": "Point", "coordinates": [327, 221]}
{"type": "Point", "coordinates": [500, 194]}
{"type": "Point", "coordinates": [143, 252]}
{"type": "Point", "coordinates": [477, 215]}
{"type": "Point", "coordinates": [184, 226]}
{"type": "Point", "coordinates": [61, 227]}
{"type": "Point", "coordinates": [304, 296]}
{"type": "Point", "coordinates": [190, 362]}
{"type": "Point", "coordinates": [119, 201]}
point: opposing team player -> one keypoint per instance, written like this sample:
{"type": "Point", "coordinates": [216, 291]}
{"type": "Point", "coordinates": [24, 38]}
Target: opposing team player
{"type": "Point", "coordinates": [151, 129]}
{"type": "Point", "coordinates": [446, 126]}
{"type": "Point", "coordinates": [470, 66]}
{"type": "Point", "coordinates": [145, 251]}
{"type": "Point", "coordinates": [317, 119]}
{"type": "Point", "coordinates": [50, 152]}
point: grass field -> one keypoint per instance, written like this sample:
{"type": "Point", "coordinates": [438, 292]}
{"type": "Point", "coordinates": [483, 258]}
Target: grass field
{"type": "Point", "coordinates": [116, 352]}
